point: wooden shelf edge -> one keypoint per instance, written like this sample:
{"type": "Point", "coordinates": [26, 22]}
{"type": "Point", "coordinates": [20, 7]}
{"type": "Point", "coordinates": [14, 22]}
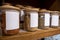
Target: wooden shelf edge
{"type": "Point", "coordinates": [32, 35]}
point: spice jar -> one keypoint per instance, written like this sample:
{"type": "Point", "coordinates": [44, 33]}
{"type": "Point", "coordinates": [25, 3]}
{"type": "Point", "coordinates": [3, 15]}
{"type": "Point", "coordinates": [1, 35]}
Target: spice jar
{"type": "Point", "coordinates": [55, 19]}
{"type": "Point", "coordinates": [21, 15]}
{"type": "Point", "coordinates": [44, 19]}
{"type": "Point", "coordinates": [31, 19]}
{"type": "Point", "coordinates": [10, 19]}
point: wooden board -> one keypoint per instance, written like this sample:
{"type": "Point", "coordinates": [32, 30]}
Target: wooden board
{"type": "Point", "coordinates": [32, 35]}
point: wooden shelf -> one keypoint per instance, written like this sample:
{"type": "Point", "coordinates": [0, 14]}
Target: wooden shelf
{"type": "Point", "coordinates": [32, 35]}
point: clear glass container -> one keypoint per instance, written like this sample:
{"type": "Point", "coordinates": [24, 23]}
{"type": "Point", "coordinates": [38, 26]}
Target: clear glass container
{"type": "Point", "coordinates": [55, 20]}
{"type": "Point", "coordinates": [31, 19]}
{"type": "Point", "coordinates": [10, 19]}
{"type": "Point", "coordinates": [44, 19]}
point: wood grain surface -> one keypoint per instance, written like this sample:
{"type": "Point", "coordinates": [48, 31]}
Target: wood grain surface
{"type": "Point", "coordinates": [32, 35]}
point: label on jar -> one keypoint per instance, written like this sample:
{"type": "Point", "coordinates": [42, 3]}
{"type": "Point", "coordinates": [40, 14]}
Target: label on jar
{"type": "Point", "coordinates": [55, 20]}
{"type": "Point", "coordinates": [33, 19]}
{"type": "Point", "coordinates": [47, 19]}
{"type": "Point", "coordinates": [12, 19]}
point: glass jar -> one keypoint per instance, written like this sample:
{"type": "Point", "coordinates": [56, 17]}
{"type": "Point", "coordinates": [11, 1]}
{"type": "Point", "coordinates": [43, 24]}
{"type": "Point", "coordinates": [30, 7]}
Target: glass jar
{"type": "Point", "coordinates": [44, 19]}
{"type": "Point", "coordinates": [10, 19]}
{"type": "Point", "coordinates": [55, 19]}
{"type": "Point", "coordinates": [31, 19]}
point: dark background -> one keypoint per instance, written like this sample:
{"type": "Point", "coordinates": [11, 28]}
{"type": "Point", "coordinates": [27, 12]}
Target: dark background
{"type": "Point", "coordinates": [36, 3]}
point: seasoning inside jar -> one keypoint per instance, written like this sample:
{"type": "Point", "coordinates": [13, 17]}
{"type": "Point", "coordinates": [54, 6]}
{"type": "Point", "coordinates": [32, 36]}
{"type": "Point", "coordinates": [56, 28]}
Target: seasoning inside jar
{"type": "Point", "coordinates": [44, 19]}
{"type": "Point", "coordinates": [10, 19]}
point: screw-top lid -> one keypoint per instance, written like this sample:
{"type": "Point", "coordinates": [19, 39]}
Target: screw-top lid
{"type": "Point", "coordinates": [20, 6]}
{"type": "Point", "coordinates": [28, 8]}
{"type": "Point", "coordinates": [44, 10]}
{"type": "Point", "coordinates": [54, 12]}
{"type": "Point", "coordinates": [8, 6]}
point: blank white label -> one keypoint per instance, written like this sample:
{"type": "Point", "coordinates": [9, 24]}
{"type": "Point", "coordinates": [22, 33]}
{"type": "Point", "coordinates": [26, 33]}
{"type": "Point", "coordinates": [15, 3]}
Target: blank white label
{"type": "Point", "coordinates": [55, 20]}
{"type": "Point", "coordinates": [22, 15]}
{"type": "Point", "coordinates": [12, 19]}
{"type": "Point", "coordinates": [33, 19]}
{"type": "Point", "coordinates": [47, 19]}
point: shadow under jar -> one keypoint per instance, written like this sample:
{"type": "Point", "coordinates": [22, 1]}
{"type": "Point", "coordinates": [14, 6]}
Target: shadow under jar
{"type": "Point", "coordinates": [31, 19]}
{"type": "Point", "coordinates": [44, 19]}
{"type": "Point", "coordinates": [10, 19]}
{"type": "Point", "coordinates": [55, 19]}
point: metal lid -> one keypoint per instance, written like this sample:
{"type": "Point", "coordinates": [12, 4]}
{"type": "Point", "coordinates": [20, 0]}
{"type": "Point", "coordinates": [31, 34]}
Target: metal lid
{"type": "Point", "coordinates": [28, 6]}
{"type": "Point", "coordinates": [31, 9]}
{"type": "Point", "coordinates": [44, 10]}
{"type": "Point", "coordinates": [54, 12]}
{"type": "Point", "coordinates": [20, 6]}
{"type": "Point", "coordinates": [8, 6]}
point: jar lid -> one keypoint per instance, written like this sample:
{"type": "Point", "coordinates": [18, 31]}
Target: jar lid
{"type": "Point", "coordinates": [28, 6]}
{"type": "Point", "coordinates": [8, 6]}
{"type": "Point", "coordinates": [31, 9]}
{"type": "Point", "coordinates": [54, 12]}
{"type": "Point", "coordinates": [44, 10]}
{"type": "Point", "coordinates": [20, 6]}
